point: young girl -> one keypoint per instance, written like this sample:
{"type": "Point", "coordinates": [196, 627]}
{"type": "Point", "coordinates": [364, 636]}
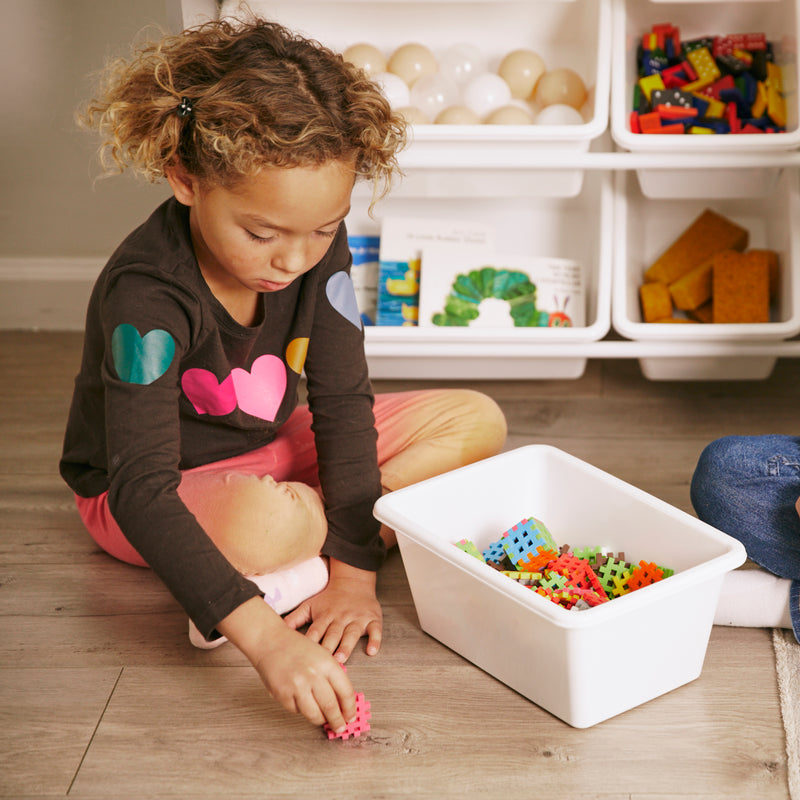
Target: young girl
{"type": "Point", "coordinates": [185, 445]}
{"type": "Point", "coordinates": [749, 487]}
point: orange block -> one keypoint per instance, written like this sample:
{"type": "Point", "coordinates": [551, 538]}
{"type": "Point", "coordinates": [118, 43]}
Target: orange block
{"type": "Point", "coordinates": [708, 234]}
{"type": "Point", "coordinates": [741, 288]}
{"type": "Point", "coordinates": [656, 301]}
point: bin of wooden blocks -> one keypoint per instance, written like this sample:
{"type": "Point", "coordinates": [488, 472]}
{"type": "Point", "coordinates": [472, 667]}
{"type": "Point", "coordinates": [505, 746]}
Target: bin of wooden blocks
{"type": "Point", "coordinates": [697, 269]}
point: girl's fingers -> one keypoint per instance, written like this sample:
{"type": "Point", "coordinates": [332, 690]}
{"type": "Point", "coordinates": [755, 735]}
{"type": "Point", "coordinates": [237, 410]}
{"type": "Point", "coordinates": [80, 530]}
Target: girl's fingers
{"type": "Point", "coordinates": [374, 637]}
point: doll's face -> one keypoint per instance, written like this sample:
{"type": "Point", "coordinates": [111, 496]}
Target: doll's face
{"type": "Point", "coordinates": [269, 228]}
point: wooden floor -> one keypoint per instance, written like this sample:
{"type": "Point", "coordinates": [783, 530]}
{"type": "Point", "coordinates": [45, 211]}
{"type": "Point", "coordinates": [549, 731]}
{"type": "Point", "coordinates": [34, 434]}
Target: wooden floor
{"type": "Point", "coordinates": [101, 694]}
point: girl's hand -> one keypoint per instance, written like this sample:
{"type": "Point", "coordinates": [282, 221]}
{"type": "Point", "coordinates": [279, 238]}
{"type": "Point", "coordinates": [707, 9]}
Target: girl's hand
{"type": "Point", "coordinates": [297, 672]}
{"type": "Point", "coordinates": [343, 612]}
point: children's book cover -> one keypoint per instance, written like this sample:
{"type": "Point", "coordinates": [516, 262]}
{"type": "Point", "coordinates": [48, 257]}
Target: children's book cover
{"type": "Point", "coordinates": [402, 242]}
{"type": "Point", "coordinates": [464, 289]}
{"type": "Point", "coordinates": [364, 274]}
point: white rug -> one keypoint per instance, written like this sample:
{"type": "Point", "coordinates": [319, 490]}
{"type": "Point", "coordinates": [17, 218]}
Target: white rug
{"type": "Point", "coordinates": [787, 661]}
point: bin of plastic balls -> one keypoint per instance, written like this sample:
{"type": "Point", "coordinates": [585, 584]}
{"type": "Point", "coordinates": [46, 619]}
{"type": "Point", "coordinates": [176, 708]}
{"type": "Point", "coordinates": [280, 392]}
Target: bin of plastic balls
{"type": "Point", "coordinates": [583, 666]}
{"type": "Point", "coordinates": [723, 76]}
{"type": "Point", "coordinates": [477, 80]}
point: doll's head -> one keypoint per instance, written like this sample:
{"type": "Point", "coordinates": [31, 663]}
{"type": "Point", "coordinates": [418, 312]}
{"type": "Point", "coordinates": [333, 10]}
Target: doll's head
{"type": "Point", "coordinates": [228, 98]}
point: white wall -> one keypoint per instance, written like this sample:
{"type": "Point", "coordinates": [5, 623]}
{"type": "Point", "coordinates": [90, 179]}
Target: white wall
{"type": "Point", "coordinates": [56, 220]}
{"type": "Point", "coordinates": [50, 204]}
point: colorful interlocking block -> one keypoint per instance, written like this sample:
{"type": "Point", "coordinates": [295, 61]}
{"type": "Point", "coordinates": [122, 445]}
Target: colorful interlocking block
{"type": "Point", "coordinates": [574, 579]}
{"type": "Point", "coordinates": [521, 541]}
{"type": "Point", "coordinates": [359, 725]}
{"type": "Point", "coordinates": [469, 547]}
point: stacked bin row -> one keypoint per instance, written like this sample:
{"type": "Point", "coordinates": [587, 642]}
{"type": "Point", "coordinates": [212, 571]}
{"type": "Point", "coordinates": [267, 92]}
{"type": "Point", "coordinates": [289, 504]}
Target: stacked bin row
{"type": "Point", "coordinates": [614, 221]}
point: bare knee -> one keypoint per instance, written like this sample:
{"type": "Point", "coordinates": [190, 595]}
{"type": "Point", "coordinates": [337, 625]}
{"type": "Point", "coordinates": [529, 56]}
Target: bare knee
{"type": "Point", "coordinates": [487, 424]}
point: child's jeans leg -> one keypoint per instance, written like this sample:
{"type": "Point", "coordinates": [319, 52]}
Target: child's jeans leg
{"type": "Point", "coordinates": [747, 486]}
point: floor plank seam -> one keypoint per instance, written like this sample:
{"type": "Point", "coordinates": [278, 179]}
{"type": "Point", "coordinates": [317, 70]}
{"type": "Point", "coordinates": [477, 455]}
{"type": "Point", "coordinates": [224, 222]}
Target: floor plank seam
{"type": "Point", "coordinates": [94, 731]}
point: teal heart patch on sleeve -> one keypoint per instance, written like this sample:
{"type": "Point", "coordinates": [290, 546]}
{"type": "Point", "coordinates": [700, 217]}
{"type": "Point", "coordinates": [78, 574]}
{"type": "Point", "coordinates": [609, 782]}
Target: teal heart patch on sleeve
{"type": "Point", "coordinates": [141, 359]}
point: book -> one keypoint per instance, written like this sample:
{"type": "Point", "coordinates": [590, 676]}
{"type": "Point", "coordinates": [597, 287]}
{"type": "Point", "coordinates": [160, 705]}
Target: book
{"type": "Point", "coordinates": [402, 242]}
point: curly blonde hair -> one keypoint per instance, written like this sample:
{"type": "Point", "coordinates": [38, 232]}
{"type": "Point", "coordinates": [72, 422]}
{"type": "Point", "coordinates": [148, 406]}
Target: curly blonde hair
{"type": "Point", "coordinates": [260, 95]}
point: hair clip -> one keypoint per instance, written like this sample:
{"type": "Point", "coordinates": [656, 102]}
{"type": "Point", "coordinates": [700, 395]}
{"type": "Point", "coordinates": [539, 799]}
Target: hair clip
{"type": "Point", "coordinates": [185, 108]}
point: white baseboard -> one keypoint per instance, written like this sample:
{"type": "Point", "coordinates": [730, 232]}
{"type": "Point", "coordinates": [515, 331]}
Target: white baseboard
{"type": "Point", "coordinates": [46, 293]}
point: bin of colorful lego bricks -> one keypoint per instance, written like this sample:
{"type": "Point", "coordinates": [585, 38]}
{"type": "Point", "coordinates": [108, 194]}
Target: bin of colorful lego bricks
{"type": "Point", "coordinates": [722, 84]}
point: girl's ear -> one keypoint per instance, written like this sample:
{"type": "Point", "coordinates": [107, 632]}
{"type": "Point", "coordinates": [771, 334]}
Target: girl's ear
{"type": "Point", "coordinates": [184, 185]}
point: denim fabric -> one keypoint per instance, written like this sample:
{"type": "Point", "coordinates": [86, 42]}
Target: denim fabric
{"type": "Point", "coordinates": [747, 486]}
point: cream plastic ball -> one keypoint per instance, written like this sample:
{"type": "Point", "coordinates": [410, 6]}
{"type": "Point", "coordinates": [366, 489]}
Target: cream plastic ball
{"type": "Point", "coordinates": [411, 61]}
{"type": "Point", "coordinates": [521, 70]}
{"type": "Point", "coordinates": [561, 85]}
{"type": "Point", "coordinates": [509, 115]}
{"type": "Point", "coordinates": [413, 115]}
{"type": "Point", "coordinates": [457, 115]}
{"type": "Point", "coordinates": [367, 57]}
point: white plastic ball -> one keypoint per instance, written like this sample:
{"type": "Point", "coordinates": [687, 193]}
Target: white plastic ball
{"type": "Point", "coordinates": [432, 93]}
{"type": "Point", "coordinates": [367, 57]}
{"type": "Point", "coordinates": [509, 115]}
{"type": "Point", "coordinates": [411, 62]}
{"type": "Point", "coordinates": [521, 69]}
{"type": "Point", "coordinates": [461, 62]}
{"type": "Point", "coordinates": [457, 115]}
{"type": "Point", "coordinates": [394, 89]}
{"type": "Point", "coordinates": [485, 93]}
{"type": "Point", "coordinates": [559, 114]}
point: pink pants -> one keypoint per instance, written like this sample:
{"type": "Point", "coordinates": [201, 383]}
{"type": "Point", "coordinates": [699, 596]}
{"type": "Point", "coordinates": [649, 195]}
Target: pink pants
{"type": "Point", "coordinates": [420, 434]}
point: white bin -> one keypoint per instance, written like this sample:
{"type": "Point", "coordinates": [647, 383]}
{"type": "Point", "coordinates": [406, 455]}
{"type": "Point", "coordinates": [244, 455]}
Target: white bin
{"type": "Point", "coordinates": [578, 228]}
{"type": "Point", "coordinates": [645, 227]}
{"type": "Point", "coordinates": [631, 20]}
{"type": "Point", "coordinates": [568, 662]}
{"type": "Point", "coordinates": [574, 34]}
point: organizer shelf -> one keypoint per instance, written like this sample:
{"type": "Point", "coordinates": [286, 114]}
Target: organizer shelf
{"type": "Point", "coordinates": [555, 192]}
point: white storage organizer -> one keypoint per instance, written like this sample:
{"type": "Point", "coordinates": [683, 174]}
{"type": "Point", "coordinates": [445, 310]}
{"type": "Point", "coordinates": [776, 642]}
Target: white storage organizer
{"type": "Point", "coordinates": [549, 187]}
{"type": "Point", "coordinates": [562, 660]}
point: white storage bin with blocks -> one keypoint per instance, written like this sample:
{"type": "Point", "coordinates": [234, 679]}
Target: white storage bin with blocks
{"type": "Point", "coordinates": [551, 655]}
{"type": "Point", "coordinates": [645, 227]}
{"type": "Point", "coordinates": [778, 21]}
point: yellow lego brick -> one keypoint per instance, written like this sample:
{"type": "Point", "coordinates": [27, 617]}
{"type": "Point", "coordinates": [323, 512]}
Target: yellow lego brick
{"type": "Point", "coordinates": [704, 65]}
{"type": "Point", "coordinates": [650, 83]}
{"type": "Point", "coordinates": [774, 76]}
{"type": "Point", "coordinates": [695, 129]}
{"type": "Point", "coordinates": [776, 106]}
{"type": "Point", "coordinates": [696, 86]}
{"type": "Point", "coordinates": [743, 55]}
{"type": "Point", "coordinates": [760, 103]}
{"type": "Point", "coordinates": [716, 108]}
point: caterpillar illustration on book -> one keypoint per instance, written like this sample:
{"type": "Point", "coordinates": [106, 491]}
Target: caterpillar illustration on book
{"type": "Point", "coordinates": [469, 290]}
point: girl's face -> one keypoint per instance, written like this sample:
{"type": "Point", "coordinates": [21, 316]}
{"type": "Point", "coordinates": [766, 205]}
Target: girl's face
{"type": "Point", "coordinates": [269, 228]}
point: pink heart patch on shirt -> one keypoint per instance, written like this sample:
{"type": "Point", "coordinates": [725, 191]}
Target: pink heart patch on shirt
{"type": "Point", "coordinates": [206, 394]}
{"type": "Point", "coordinates": [260, 392]}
